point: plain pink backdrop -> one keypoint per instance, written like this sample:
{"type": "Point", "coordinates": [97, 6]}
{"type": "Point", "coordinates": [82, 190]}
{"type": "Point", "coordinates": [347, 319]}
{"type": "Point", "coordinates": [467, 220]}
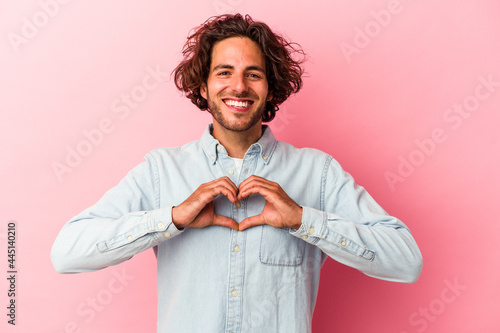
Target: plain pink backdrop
{"type": "Point", "coordinates": [385, 82]}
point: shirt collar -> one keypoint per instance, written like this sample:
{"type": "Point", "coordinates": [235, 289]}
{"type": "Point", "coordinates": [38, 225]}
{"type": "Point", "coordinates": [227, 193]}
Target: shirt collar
{"type": "Point", "coordinates": [265, 146]}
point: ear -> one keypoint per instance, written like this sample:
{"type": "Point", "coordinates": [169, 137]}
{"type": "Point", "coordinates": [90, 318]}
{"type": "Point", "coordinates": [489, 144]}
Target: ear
{"type": "Point", "coordinates": [203, 91]}
{"type": "Point", "coordinates": [269, 96]}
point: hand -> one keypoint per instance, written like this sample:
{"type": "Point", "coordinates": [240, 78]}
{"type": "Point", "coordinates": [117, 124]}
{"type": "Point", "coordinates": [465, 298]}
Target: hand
{"type": "Point", "coordinates": [197, 210]}
{"type": "Point", "coordinates": [279, 210]}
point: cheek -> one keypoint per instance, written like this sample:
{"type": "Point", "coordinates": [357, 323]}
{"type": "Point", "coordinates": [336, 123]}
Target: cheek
{"type": "Point", "coordinates": [215, 88]}
{"type": "Point", "coordinates": [269, 94]}
{"type": "Point", "coordinates": [265, 94]}
{"type": "Point", "coordinates": [260, 89]}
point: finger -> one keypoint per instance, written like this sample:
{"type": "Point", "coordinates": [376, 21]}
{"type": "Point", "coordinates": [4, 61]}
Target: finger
{"type": "Point", "coordinates": [227, 181]}
{"type": "Point", "coordinates": [188, 210]}
{"type": "Point", "coordinates": [230, 193]}
{"type": "Point", "coordinates": [252, 221]}
{"type": "Point", "coordinates": [225, 221]}
{"type": "Point", "coordinates": [233, 190]}
{"type": "Point", "coordinates": [208, 193]}
{"type": "Point", "coordinates": [252, 179]}
{"type": "Point", "coordinates": [263, 183]}
{"type": "Point", "coordinates": [266, 191]}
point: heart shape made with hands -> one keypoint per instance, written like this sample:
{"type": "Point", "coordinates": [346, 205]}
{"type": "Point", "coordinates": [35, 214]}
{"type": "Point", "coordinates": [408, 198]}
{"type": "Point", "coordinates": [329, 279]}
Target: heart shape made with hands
{"type": "Point", "coordinates": [197, 210]}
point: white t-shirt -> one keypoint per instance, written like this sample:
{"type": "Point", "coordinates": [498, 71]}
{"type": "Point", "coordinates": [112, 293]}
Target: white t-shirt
{"type": "Point", "coordinates": [238, 162]}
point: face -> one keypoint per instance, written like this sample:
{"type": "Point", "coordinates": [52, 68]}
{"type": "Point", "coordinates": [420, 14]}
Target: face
{"type": "Point", "coordinates": [236, 89]}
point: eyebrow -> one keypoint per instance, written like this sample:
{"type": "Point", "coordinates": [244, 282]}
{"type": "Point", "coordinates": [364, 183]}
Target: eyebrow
{"type": "Point", "coordinates": [248, 68]}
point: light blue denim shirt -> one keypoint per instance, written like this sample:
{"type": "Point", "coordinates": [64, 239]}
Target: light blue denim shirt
{"type": "Point", "coordinates": [217, 279]}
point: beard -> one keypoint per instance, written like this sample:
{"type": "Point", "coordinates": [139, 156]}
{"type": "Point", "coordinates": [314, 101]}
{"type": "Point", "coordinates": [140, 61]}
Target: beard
{"type": "Point", "coordinates": [239, 124]}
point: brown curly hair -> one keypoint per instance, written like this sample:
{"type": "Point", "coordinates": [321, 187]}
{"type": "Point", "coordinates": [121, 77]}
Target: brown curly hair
{"type": "Point", "coordinates": [282, 71]}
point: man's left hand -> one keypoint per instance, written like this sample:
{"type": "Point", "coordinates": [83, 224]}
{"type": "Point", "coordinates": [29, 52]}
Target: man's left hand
{"type": "Point", "coordinates": [279, 210]}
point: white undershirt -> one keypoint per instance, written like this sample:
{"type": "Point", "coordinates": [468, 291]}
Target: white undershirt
{"type": "Point", "coordinates": [238, 162]}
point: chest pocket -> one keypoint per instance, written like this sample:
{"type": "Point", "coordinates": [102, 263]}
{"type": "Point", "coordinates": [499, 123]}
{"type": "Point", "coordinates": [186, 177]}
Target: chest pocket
{"type": "Point", "coordinates": [279, 248]}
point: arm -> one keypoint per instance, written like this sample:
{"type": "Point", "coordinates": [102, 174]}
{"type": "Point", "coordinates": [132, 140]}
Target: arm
{"type": "Point", "coordinates": [126, 220]}
{"type": "Point", "coordinates": [354, 230]}
{"type": "Point", "coordinates": [350, 226]}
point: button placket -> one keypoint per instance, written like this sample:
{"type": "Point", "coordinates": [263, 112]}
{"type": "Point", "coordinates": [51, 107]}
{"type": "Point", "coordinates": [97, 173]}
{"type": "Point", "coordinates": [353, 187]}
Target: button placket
{"type": "Point", "coordinates": [235, 282]}
{"type": "Point", "coordinates": [237, 255]}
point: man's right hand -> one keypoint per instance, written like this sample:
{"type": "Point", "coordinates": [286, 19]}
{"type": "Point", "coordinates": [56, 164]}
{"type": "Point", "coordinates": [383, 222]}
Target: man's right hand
{"type": "Point", "coordinates": [197, 210]}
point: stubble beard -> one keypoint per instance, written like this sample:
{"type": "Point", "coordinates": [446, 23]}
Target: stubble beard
{"type": "Point", "coordinates": [214, 109]}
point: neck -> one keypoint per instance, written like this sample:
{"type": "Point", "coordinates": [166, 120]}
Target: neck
{"type": "Point", "coordinates": [237, 143]}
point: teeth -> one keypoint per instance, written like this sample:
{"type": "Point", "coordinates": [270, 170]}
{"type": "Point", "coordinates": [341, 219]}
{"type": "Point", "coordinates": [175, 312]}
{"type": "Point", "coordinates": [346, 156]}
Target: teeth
{"type": "Point", "coordinates": [238, 104]}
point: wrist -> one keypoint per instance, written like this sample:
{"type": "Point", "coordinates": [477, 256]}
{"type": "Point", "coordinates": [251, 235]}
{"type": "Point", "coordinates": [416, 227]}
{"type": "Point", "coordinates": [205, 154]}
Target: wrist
{"type": "Point", "coordinates": [298, 222]}
{"type": "Point", "coordinates": [175, 218]}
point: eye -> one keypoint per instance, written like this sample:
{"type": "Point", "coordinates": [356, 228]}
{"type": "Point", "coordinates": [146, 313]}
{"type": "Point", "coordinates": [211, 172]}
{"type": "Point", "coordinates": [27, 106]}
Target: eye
{"type": "Point", "coordinates": [223, 73]}
{"type": "Point", "coordinates": [254, 76]}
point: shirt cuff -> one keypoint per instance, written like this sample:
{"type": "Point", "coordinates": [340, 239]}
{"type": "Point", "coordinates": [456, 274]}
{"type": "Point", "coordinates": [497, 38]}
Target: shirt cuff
{"type": "Point", "coordinates": [313, 227]}
{"type": "Point", "coordinates": [161, 224]}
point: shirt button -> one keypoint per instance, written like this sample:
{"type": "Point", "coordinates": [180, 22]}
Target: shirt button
{"type": "Point", "coordinates": [160, 225]}
{"type": "Point", "coordinates": [343, 243]}
{"type": "Point", "coordinates": [305, 236]}
{"type": "Point", "coordinates": [167, 234]}
{"type": "Point", "coordinates": [265, 158]}
{"type": "Point", "coordinates": [236, 248]}
{"type": "Point", "coordinates": [212, 157]}
{"type": "Point", "coordinates": [238, 204]}
{"type": "Point", "coordinates": [231, 171]}
{"type": "Point", "coordinates": [219, 148]}
{"type": "Point", "coordinates": [129, 237]}
{"type": "Point", "coordinates": [234, 293]}
{"type": "Point", "coordinates": [311, 230]}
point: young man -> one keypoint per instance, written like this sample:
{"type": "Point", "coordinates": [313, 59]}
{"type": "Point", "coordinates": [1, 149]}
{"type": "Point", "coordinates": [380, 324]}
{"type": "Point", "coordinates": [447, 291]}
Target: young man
{"type": "Point", "coordinates": [240, 223]}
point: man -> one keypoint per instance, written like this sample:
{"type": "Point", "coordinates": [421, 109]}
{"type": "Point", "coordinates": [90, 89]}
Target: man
{"type": "Point", "coordinates": [240, 223]}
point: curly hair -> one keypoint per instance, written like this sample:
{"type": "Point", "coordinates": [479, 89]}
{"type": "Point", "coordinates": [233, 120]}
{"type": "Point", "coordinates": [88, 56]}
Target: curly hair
{"type": "Point", "coordinates": [282, 70]}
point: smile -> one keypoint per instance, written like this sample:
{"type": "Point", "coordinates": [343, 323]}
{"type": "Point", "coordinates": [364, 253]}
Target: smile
{"type": "Point", "coordinates": [238, 104]}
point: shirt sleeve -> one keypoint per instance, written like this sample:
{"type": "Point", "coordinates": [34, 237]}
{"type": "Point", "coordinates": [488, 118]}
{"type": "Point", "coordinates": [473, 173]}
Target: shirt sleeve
{"type": "Point", "coordinates": [354, 230]}
{"type": "Point", "coordinates": [125, 221]}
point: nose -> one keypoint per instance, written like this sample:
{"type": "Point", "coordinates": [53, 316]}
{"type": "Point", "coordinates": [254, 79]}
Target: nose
{"type": "Point", "coordinates": [238, 84]}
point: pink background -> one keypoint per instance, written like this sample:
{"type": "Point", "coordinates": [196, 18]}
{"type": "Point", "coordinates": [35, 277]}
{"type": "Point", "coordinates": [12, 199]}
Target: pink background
{"type": "Point", "coordinates": [383, 79]}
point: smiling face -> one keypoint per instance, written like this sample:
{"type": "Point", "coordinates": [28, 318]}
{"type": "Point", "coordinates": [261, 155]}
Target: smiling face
{"type": "Point", "coordinates": [236, 88]}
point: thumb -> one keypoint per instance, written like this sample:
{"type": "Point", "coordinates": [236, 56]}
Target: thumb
{"type": "Point", "coordinates": [252, 221]}
{"type": "Point", "coordinates": [225, 221]}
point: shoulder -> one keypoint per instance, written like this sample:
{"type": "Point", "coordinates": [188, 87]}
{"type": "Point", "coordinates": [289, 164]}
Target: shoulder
{"type": "Point", "coordinates": [286, 149]}
{"type": "Point", "coordinates": [159, 154]}
{"type": "Point", "coordinates": [308, 157]}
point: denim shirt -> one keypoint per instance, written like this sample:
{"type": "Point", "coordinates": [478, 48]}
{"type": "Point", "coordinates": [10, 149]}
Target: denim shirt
{"type": "Point", "coordinates": [216, 279]}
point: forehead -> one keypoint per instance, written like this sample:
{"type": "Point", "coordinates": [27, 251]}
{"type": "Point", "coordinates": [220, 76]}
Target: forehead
{"type": "Point", "coordinates": [237, 52]}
